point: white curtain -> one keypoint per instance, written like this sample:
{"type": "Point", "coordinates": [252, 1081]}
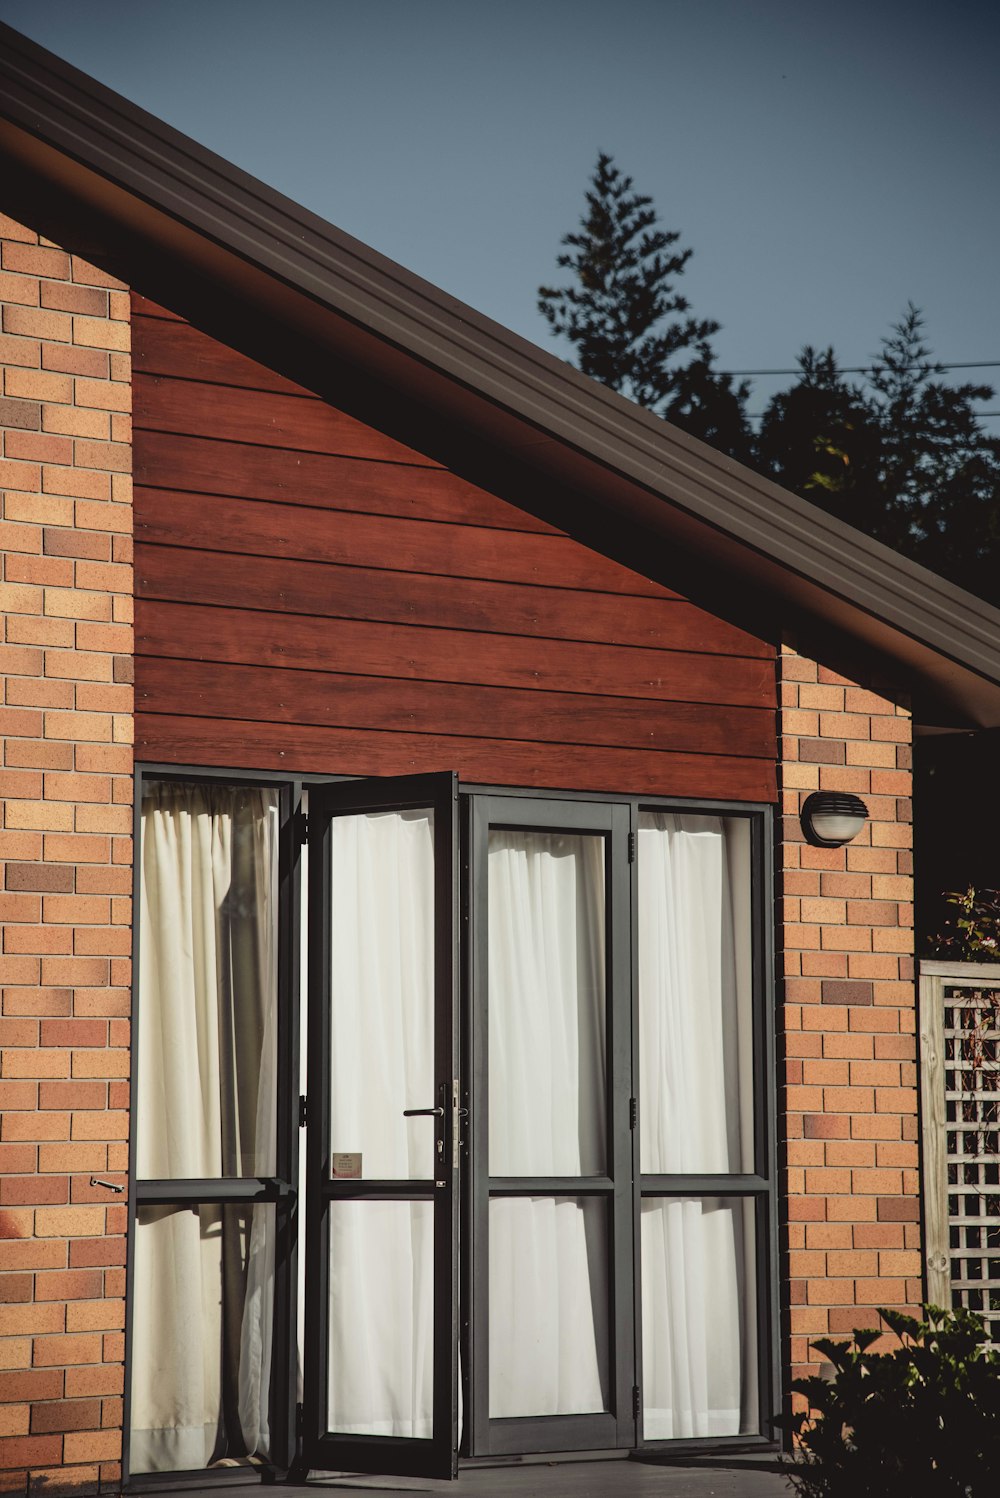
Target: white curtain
{"type": "Point", "coordinates": [382, 1061]}
{"type": "Point", "coordinates": [548, 1255]}
{"type": "Point", "coordinates": [205, 1108]}
{"type": "Point", "coordinates": [696, 1115]}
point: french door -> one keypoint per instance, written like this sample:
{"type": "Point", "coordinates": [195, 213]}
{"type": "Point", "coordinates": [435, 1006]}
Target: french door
{"type": "Point", "coordinates": [605, 1126]}
{"type": "Point", "coordinates": [601, 1096]}
{"type": "Point", "coordinates": [381, 1327]}
{"type": "Point", "coordinates": [621, 1223]}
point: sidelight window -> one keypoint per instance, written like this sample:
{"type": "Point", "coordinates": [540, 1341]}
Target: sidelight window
{"type": "Point", "coordinates": [204, 1248]}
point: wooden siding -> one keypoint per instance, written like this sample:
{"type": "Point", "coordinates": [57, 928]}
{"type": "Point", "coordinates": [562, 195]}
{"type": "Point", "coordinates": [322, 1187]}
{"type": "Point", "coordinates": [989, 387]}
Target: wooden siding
{"type": "Point", "coordinates": [313, 595]}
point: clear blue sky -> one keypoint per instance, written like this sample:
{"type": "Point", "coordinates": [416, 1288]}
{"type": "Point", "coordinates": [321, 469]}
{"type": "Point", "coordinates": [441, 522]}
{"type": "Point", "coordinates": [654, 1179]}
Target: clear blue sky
{"type": "Point", "coordinates": [827, 162]}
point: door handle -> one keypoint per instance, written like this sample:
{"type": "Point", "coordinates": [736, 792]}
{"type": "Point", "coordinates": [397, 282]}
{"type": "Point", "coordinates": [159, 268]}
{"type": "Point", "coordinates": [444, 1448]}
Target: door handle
{"type": "Point", "coordinates": [423, 1113]}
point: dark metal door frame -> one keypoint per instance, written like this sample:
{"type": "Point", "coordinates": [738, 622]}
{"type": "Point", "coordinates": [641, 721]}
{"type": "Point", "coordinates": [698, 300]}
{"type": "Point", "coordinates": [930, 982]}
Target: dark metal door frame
{"type": "Point", "coordinates": [615, 1427]}
{"type": "Point", "coordinates": [323, 1449]}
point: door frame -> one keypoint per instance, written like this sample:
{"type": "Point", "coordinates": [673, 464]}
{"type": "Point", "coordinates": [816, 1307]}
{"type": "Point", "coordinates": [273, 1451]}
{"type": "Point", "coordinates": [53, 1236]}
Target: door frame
{"type": "Point", "coordinates": [484, 1439]}
{"type": "Point", "coordinates": [321, 1448]}
{"type": "Point", "coordinates": [615, 1427]}
{"type": "Point", "coordinates": [772, 1334]}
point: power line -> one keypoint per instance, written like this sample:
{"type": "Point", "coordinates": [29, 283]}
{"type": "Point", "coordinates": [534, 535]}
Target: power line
{"type": "Point", "coordinates": [980, 415]}
{"type": "Point", "coordinates": [867, 368]}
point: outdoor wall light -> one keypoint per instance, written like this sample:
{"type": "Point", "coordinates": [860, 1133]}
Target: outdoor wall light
{"type": "Point", "coordinates": [831, 818]}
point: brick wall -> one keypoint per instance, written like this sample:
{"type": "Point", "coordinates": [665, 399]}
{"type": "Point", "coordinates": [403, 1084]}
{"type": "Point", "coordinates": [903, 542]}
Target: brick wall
{"type": "Point", "coordinates": [65, 861]}
{"type": "Point", "coordinates": [849, 1012]}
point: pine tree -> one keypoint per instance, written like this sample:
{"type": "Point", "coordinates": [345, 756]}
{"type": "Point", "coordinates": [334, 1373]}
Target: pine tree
{"type": "Point", "coordinates": [632, 329]}
{"type": "Point", "coordinates": [901, 456]}
{"type": "Point", "coordinates": [820, 438]}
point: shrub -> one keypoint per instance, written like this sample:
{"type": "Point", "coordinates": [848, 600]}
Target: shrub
{"type": "Point", "coordinates": [920, 1420]}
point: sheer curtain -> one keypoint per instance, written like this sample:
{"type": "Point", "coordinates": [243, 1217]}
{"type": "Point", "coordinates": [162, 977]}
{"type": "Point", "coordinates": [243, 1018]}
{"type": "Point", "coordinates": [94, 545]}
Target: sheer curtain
{"type": "Point", "coordinates": [696, 1115]}
{"type": "Point", "coordinates": [382, 1061]}
{"type": "Point", "coordinates": [205, 1108]}
{"type": "Point", "coordinates": [548, 1254]}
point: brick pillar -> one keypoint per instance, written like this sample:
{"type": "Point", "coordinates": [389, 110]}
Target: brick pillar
{"type": "Point", "coordinates": [65, 861]}
{"type": "Point", "coordinates": [849, 1013]}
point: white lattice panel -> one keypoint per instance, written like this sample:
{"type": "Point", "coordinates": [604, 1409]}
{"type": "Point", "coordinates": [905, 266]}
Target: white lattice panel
{"type": "Point", "coordinates": [971, 1066]}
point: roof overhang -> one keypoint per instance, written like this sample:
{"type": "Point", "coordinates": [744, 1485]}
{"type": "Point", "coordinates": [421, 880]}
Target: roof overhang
{"type": "Point", "coordinates": [183, 225]}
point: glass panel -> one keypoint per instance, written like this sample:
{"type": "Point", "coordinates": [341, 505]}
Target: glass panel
{"type": "Point", "coordinates": [382, 995]}
{"type": "Point", "coordinates": [208, 981]}
{"type": "Point", "coordinates": [547, 1004]}
{"type": "Point", "coordinates": [201, 1347]}
{"type": "Point", "coordinates": [695, 995]}
{"type": "Point", "coordinates": [381, 1348]}
{"type": "Point", "coordinates": [548, 1306]}
{"type": "Point", "coordinates": [699, 1317]}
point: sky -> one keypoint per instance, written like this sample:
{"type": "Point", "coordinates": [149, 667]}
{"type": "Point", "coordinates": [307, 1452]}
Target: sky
{"type": "Point", "coordinates": [826, 163]}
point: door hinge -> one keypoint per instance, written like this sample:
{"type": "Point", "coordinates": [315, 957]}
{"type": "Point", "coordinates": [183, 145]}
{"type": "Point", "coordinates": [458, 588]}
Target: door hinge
{"type": "Point", "coordinates": [633, 1112]}
{"type": "Point", "coordinates": [636, 1402]}
{"type": "Point", "coordinates": [300, 1419]}
{"type": "Point", "coordinates": [303, 1110]}
{"type": "Point", "coordinates": [303, 829]}
{"type": "Point", "coordinates": [631, 847]}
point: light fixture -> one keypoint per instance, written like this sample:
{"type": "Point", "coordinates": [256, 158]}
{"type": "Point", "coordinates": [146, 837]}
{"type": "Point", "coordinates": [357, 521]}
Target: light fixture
{"type": "Point", "coordinates": [831, 818]}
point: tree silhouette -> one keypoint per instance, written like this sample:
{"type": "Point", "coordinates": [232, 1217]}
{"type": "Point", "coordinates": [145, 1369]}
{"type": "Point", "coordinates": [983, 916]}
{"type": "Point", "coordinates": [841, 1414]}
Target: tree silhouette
{"type": "Point", "coordinates": [632, 329]}
{"type": "Point", "coordinates": [900, 454]}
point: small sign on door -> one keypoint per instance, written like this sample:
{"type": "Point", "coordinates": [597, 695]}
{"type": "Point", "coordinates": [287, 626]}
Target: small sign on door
{"type": "Point", "coordinates": [346, 1167]}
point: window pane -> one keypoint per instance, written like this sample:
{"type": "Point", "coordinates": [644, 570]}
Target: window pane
{"type": "Point", "coordinates": [695, 995]}
{"type": "Point", "coordinates": [548, 1306]}
{"type": "Point", "coordinates": [208, 981]}
{"type": "Point", "coordinates": [382, 994]}
{"type": "Point", "coordinates": [546, 1004]}
{"type": "Point", "coordinates": [699, 1337]}
{"type": "Point", "coordinates": [201, 1350]}
{"type": "Point", "coordinates": [381, 1350]}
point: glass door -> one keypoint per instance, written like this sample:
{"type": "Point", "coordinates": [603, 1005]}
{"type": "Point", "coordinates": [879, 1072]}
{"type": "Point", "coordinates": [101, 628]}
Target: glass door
{"type": "Point", "coordinates": [552, 1335]}
{"type": "Point", "coordinates": [381, 1344]}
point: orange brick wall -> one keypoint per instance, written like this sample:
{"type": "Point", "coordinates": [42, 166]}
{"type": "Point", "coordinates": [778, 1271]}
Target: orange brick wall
{"type": "Point", "coordinates": [65, 861]}
{"type": "Point", "coordinates": [849, 1012]}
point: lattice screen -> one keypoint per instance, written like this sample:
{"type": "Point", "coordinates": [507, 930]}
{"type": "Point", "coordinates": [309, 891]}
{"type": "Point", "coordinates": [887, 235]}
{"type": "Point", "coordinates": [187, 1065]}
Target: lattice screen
{"type": "Point", "coordinates": [971, 1065]}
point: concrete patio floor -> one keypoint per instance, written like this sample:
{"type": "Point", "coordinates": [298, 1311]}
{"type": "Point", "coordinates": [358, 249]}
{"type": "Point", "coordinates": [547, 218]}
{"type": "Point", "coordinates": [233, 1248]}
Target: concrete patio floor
{"type": "Point", "coordinates": [720, 1477]}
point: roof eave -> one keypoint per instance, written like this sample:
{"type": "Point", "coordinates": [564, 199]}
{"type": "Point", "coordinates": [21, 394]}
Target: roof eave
{"type": "Point", "coordinates": [252, 243]}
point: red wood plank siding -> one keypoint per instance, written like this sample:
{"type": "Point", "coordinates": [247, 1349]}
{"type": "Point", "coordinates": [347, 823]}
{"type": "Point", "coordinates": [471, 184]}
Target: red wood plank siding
{"type": "Point", "coordinates": [312, 594]}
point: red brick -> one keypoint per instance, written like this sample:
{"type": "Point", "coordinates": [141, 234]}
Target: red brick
{"type": "Point", "coordinates": [92, 1446]}
{"type": "Point", "coordinates": [33, 384]}
{"type": "Point", "coordinates": [35, 322]}
{"type": "Point", "coordinates": [69, 298]}
{"type": "Point", "coordinates": [69, 1221]}
{"type": "Point", "coordinates": [87, 1252]}
{"type": "Point", "coordinates": [31, 1254]}
{"type": "Point", "coordinates": [107, 1379]}
{"type": "Point", "coordinates": [30, 1451]}
{"type": "Point", "coordinates": [90, 275]}
{"type": "Point", "coordinates": [898, 1209]}
{"type": "Point", "coordinates": [72, 1157]}
{"type": "Point", "coordinates": [37, 1001]}
{"type": "Point", "coordinates": [34, 1190]}
{"type": "Point", "coordinates": [17, 1158]}
{"type": "Point", "coordinates": [95, 1315]}
{"type": "Point", "coordinates": [15, 1288]}
{"type": "Point", "coordinates": [112, 1124]}
{"type": "Point", "coordinates": [78, 1347]}
{"type": "Point", "coordinates": [72, 1095]}
{"type": "Point", "coordinates": [33, 260]}
{"type": "Point", "coordinates": [66, 1414]}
